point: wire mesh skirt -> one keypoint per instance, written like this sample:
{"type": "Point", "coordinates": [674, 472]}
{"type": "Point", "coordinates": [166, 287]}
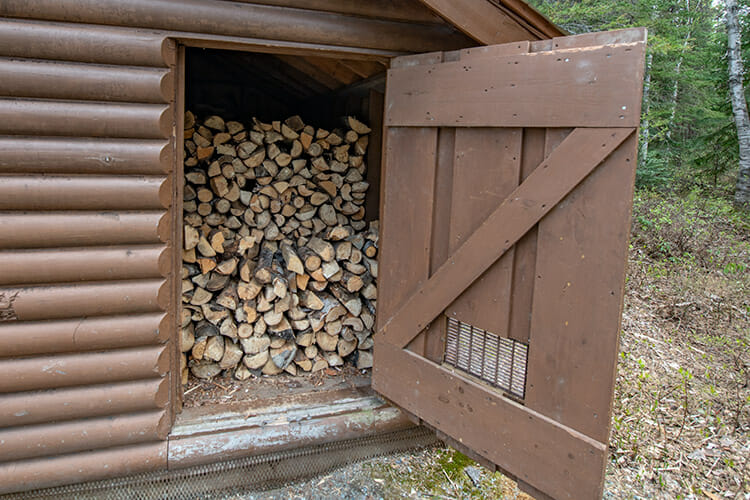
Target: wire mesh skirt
{"type": "Point", "coordinates": [256, 473]}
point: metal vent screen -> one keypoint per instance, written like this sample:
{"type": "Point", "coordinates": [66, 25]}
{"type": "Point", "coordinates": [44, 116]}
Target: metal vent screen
{"type": "Point", "coordinates": [499, 361]}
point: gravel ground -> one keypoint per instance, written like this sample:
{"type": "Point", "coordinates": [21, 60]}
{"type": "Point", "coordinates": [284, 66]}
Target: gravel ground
{"type": "Point", "coordinates": [431, 473]}
{"type": "Point", "coordinates": [352, 481]}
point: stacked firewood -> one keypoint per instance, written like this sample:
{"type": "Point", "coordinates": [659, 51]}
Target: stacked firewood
{"type": "Point", "coordinates": [279, 266]}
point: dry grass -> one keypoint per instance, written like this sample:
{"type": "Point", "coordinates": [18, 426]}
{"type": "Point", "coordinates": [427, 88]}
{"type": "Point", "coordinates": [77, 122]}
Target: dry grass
{"type": "Point", "coordinates": [681, 425]}
{"type": "Point", "coordinates": [439, 473]}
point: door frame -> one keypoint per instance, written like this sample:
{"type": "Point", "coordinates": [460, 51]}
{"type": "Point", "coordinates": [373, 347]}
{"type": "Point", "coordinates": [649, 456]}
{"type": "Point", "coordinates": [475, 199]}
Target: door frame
{"type": "Point", "coordinates": [177, 65]}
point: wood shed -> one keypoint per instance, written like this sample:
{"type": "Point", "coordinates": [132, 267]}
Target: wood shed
{"type": "Point", "coordinates": [500, 159]}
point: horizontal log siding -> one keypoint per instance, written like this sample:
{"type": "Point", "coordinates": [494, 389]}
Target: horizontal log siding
{"type": "Point", "coordinates": [80, 435]}
{"type": "Point", "coordinates": [80, 467]}
{"type": "Point", "coordinates": [246, 20]}
{"type": "Point", "coordinates": [83, 155]}
{"type": "Point", "coordinates": [83, 192]}
{"type": "Point", "coordinates": [60, 80]}
{"type": "Point", "coordinates": [85, 251]}
{"type": "Point", "coordinates": [56, 265]}
{"type": "Point", "coordinates": [29, 338]}
{"type": "Point", "coordinates": [84, 402]}
{"type": "Point", "coordinates": [87, 44]}
{"type": "Point", "coordinates": [75, 229]}
{"type": "Point", "coordinates": [70, 370]}
{"type": "Point", "coordinates": [83, 119]}
{"type": "Point", "coordinates": [83, 300]}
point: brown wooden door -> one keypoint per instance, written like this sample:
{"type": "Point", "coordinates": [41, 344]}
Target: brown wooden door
{"type": "Point", "coordinates": [508, 182]}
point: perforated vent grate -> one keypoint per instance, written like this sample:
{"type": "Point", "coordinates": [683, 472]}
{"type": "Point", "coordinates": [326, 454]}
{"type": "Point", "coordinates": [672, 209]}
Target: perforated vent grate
{"type": "Point", "coordinates": [497, 360]}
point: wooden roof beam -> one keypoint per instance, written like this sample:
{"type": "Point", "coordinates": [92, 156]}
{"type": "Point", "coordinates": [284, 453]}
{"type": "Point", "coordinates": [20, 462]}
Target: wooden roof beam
{"type": "Point", "coordinates": [397, 10]}
{"type": "Point", "coordinates": [365, 69]}
{"type": "Point", "coordinates": [335, 69]}
{"type": "Point", "coordinates": [481, 20]}
{"type": "Point", "coordinates": [303, 65]}
{"type": "Point", "coordinates": [530, 16]}
{"type": "Point", "coordinates": [275, 76]}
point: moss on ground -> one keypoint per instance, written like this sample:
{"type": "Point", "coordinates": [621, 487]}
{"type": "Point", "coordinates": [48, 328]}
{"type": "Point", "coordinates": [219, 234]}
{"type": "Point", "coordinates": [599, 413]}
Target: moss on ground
{"type": "Point", "coordinates": [440, 473]}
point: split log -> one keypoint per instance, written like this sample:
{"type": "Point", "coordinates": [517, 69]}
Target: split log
{"type": "Point", "coordinates": [325, 341]}
{"type": "Point", "coordinates": [352, 303]}
{"type": "Point", "coordinates": [293, 262]}
{"type": "Point", "coordinates": [214, 348]}
{"type": "Point", "coordinates": [364, 359]}
{"type": "Point", "coordinates": [311, 259]}
{"type": "Point", "coordinates": [232, 356]}
{"type": "Point", "coordinates": [256, 361]}
{"type": "Point", "coordinates": [323, 248]}
{"type": "Point", "coordinates": [284, 355]}
{"type": "Point", "coordinates": [204, 369]}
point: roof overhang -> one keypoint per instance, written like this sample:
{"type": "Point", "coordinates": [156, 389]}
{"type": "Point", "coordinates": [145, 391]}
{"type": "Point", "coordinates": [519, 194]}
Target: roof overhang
{"type": "Point", "coordinates": [495, 21]}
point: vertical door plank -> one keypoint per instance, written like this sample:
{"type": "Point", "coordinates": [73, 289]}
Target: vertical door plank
{"type": "Point", "coordinates": [524, 258]}
{"type": "Point", "coordinates": [538, 144]}
{"type": "Point", "coordinates": [485, 171]}
{"type": "Point", "coordinates": [434, 336]}
{"type": "Point", "coordinates": [430, 338]}
{"type": "Point", "coordinates": [575, 317]}
{"type": "Point", "coordinates": [443, 195]}
{"type": "Point", "coordinates": [407, 216]}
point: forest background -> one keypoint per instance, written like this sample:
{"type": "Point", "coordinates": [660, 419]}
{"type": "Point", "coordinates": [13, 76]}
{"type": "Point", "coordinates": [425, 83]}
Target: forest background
{"type": "Point", "coordinates": [688, 136]}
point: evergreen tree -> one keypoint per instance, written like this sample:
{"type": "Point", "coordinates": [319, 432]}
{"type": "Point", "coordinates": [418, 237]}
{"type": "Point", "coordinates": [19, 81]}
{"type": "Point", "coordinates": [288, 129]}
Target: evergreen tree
{"type": "Point", "coordinates": [688, 138]}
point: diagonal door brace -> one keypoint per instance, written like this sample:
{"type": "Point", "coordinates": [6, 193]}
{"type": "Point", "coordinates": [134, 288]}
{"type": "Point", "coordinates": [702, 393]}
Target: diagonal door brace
{"type": "Point", "coordinates": [568, 165]}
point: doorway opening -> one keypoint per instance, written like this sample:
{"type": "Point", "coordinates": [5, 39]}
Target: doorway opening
{"type": "Point", "coordinates": [280, 210]}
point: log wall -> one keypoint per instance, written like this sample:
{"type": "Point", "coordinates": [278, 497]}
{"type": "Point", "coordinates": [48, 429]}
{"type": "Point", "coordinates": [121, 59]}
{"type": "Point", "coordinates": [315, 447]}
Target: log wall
{"type": "Point", "coordinates": [85, 251]}
{"type": "Point", "coordinates": [87, 222]}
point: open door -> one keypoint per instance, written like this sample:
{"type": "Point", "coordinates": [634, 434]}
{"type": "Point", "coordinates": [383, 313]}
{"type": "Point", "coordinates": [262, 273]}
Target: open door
{"type": "Point", "coordinates": [508, 183]}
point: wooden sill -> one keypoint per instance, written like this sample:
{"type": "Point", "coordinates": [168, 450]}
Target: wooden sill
{"type": "Point", "coordinates": [299, 416]}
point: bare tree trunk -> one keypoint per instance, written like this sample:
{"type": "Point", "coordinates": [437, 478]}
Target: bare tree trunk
{"type": "Point", "coordinates": [739, 105]}
{"type": "Point", "coordinates": [646, 110]}
{"type": "Point", "coordinates": [675, 89]}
